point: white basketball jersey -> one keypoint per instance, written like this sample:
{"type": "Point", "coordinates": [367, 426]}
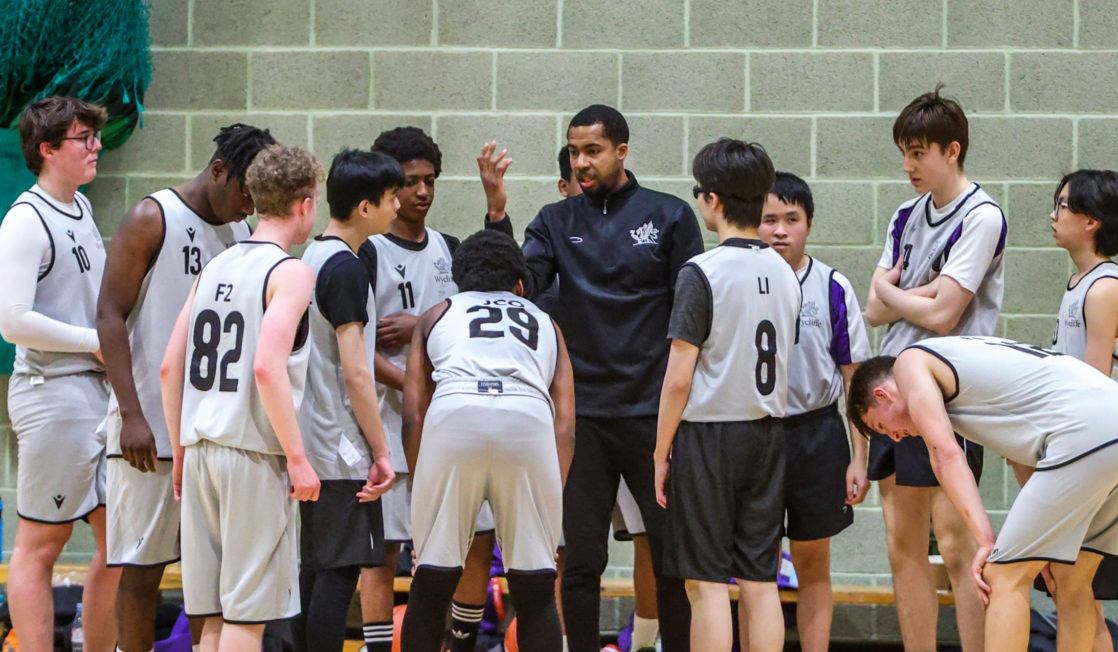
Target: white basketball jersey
{"type": "Point", "coordinates": [189, 243]}
{"type": "Point", "coordinates": [221, 402]}
{"type": "Point", "coordinates": [832, 334]}
{"type": "Point", "coordinates": [1028, 404]}
{"type": "Point", "coordinates": [68, 285]}
{"type": "Point", "coordinates": [410, 278]}
{"type": "Point", "coordinates": [964, 240]}
{"type": "Point", "coordinates": [1071, 323]}
{"type": "Point", "coordinates": [742, 371]}
{"type": "Point", "coordinates": [494, 343]}
{"type": "Point", "coordinates": [332, 437]}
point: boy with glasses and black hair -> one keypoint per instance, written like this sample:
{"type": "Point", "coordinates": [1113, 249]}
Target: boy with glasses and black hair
{"type": "Point", "coordinates": [1085, 223]}
{"type": "Point", "coordinates": [51, 262]}
{"type": "Point", "coordinates": [719, 459]}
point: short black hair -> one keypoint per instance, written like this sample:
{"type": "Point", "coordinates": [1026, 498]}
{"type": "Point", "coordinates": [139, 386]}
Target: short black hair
{"type": "Point", "coordinates": [614, 127]}
{"type": "Point", "coordinates": [488, 261]}
{"type": "Point", "coordinates": [409, 144]}
{"type": "Point", "coordinates": [933, 118]}
{"type": "Point", "coordinates": [1094, 193]}
{"type": "Point", "coordinates": [740, 173]}
{"type": "Point", "coordinates": [794, 191]}
{"type": "Point", "coordinates": [356, 175]}
{"type": "Point", "coordinates": [859, 399]}
{"type": "Point", "coordinates": [237, 145]}
{"type": "Point", "coordinates": [564, 164]}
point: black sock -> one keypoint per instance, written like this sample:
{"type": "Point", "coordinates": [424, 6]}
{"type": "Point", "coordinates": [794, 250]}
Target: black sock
{"type": "Point", "coordinates": [537, 619]}
{"type": "Point", "coordinates": [465, 620]}
{"type": "Point", "coordinates": [378, 636]}
{"type": "Point", "coordinates": [425, 619]}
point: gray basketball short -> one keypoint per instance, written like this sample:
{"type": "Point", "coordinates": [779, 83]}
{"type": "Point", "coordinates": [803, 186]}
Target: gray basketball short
{"type": "Point", "coordinates": [1063, 510]}
{"type": "Point", "coordinates": [240, 552]}
{"type": "Point", "coordinates": [143, 515]}
{"type": "Point", "coordinates": [396, 506]}
{"type": "Point", "coordinates": [479, 447]}
{"type": "Point", "coordinates": [627, 519]}
{"type": "Point", "coordinates": [58, 423]}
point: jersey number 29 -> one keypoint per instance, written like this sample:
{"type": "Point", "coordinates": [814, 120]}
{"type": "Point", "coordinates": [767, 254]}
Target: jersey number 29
{"type": "Point", "coordinates": [525, 329]}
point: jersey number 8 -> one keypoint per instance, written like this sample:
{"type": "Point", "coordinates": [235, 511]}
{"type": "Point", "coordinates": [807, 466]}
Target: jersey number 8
{"type": "Point", "coordinates": [765, 371]}
{"type": "Point", "coordinates": [207, 336]}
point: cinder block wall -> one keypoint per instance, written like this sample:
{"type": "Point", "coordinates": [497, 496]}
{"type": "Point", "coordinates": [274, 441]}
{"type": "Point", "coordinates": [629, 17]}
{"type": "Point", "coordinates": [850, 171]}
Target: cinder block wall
{"type": "Point", "coordinates": [818, 82]}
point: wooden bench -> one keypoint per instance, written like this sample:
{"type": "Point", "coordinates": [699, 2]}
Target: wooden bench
{"type": "Point", "coordinates": [616, 587]}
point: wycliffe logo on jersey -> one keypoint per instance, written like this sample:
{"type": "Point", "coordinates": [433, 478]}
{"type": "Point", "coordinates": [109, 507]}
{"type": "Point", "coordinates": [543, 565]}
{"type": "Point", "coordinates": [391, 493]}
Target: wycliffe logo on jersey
{"type": "Point", "coordinates": [442, 266]}
{"type": "Point", "coordinates": [1072, 318]}
{"type": "Point", "coordinates": [809, 315]}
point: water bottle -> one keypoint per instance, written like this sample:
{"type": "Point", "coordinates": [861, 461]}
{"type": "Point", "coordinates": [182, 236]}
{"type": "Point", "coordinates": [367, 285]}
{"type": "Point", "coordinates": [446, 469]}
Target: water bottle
{"type": "Point", "coordinates": [77, 636]}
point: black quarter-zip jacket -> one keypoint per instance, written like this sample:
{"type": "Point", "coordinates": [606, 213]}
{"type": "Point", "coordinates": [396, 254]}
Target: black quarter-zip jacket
{"type": "Point", "coordinates": [616, 259]}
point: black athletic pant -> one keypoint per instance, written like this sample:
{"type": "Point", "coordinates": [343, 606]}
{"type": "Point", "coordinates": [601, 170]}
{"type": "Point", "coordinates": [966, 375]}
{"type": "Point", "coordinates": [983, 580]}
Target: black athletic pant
{"type": "Point", "coordinates": [605, 451]}
{"type": "Point", "coordinates": [325, 597]}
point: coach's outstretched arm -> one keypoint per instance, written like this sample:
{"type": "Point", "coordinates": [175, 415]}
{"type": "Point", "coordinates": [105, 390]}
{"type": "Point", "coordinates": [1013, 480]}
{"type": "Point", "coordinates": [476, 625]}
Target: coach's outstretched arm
{"type": "Point", "coordinates": [418, 384]}
{"type": "Point", "coordinates": [563, 397]}
{"type": "Point", "coordinates": [284, 311]}
{"type": "Point", "coordinates": [924, 380]}
{"type": "Point", "coordinates": [172, 374]}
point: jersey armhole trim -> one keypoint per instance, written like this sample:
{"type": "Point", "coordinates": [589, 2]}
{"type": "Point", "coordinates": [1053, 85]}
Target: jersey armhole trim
{"type": "Point", "coordinates": [162, 235]}
{"type": "Point", "coordinates": [437, 320]}
{"type": "Point", "coordinates": [710, 301]}
{"type": "Point", "coordinates": [302, 330]}
{"type": "Point", "coordinates": [50, 238]}
{"type": "Point", "coordinates": [837, 314]}
{"type": "Point", "coordinates": [1086, 293]}
{"type": "Point", "coordinates": [950, 366]}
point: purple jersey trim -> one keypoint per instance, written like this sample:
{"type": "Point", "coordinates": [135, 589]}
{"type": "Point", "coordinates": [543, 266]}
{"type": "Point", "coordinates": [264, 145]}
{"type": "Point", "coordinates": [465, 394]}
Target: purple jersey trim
{"type": "Point", "coordinates": [898, 229]}
{"type": "Point", "coordinates": [958, 233]}
{"type": "Point", "coordinates": [840, 327]}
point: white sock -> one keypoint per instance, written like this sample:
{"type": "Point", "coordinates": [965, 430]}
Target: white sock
{"type": "Point", "coordinates": [645, 631]}
{"type": "Point", "coordinates": [565, 644]}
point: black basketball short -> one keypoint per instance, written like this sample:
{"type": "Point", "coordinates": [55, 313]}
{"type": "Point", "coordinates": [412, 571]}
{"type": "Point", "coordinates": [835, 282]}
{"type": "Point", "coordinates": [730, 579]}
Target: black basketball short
{"type": "Point", "coordinates": [725, 501]}
{"type": "Point", "coordinates": [337, 531]}
{"type": "Point", "coordinates": [909, 460]}
{"type": "Point", "coordinates": [816, 458]}
{"type": "Point", "coordinates": [1105, 584]}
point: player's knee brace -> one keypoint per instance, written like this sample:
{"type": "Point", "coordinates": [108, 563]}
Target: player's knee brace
{"type": "Point", "coordinates": [431, 592]}
{"type": "Point", "coordinates": [533, 594]}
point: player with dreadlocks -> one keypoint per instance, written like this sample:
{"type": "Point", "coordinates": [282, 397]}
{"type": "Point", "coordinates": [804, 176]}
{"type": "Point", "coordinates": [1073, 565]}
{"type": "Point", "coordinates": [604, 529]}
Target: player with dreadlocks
{"type": "Point", "coordinates": [155, 255]}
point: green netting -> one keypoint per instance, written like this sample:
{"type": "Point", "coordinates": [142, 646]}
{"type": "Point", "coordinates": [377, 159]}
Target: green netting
{"type": "Point", "coordinates": [93, 49]}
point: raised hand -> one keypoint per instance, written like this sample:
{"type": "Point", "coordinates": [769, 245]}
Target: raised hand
{"type": "Point", "coordinates": [492, 168]}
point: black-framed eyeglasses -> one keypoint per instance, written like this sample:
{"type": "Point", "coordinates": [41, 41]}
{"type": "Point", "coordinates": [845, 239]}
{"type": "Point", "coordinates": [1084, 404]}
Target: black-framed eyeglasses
{"type": "Point", "coordinates": [696, 190]}
{"type": "Point", "coordinates": [91, 139]}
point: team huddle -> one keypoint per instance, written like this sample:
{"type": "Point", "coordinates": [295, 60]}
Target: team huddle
{"type": "Point", "coordinates": [283, 424]}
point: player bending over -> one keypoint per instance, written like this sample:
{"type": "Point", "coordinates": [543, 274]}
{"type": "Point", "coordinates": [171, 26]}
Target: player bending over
{"type": "Point", "coordinates": [488, 415]}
